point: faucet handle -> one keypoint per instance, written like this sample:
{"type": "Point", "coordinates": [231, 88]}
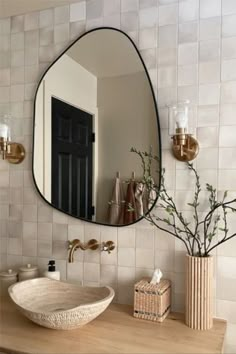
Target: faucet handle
{"type": "Point", "coordinates": [108, 246]}
{"type": "Point", "coordinates": [73, 243]}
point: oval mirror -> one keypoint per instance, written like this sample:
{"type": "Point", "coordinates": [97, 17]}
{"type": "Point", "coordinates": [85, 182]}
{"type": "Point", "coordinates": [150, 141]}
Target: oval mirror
{"type": "Point", "coordinates": [93, 105]}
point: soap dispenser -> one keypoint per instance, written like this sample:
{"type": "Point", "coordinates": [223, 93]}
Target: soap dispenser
{"type": "Point", "coordinates": [52, 273]}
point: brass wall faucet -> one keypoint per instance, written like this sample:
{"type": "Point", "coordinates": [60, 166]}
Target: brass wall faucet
{"type": "Point", "coordinates": [91, 244]}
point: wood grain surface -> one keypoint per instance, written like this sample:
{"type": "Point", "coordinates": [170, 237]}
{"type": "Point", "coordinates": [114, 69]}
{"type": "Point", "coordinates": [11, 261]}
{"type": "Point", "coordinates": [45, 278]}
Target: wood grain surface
{"type": "Point", "coordinates": [115, 331]}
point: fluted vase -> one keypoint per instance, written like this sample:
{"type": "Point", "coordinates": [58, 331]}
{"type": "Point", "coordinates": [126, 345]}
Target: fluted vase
{"type": "Point", "coordinates": [199, 292]}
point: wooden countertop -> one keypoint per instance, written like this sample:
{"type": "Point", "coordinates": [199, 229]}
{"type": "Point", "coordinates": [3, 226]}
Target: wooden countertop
{"type": "Point", "coordinates": [115, 331]}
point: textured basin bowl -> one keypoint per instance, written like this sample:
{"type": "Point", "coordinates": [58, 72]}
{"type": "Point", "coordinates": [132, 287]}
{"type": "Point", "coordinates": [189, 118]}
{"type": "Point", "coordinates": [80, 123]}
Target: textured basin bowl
{"type": "Point", "coordinates": [58, 305]}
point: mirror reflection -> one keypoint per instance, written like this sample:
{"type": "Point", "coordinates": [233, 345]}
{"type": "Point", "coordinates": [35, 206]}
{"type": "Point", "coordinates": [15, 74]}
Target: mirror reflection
{"type": "Point", "coordinates": [92, 105]}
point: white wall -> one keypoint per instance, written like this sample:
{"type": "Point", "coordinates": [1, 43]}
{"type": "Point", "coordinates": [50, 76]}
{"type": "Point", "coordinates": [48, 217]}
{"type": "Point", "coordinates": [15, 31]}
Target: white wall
{"type": "Point", "coordinates": [127, 119]}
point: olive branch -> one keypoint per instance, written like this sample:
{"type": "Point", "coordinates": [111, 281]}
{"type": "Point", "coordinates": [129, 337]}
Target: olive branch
{"type": "Point", "coordinates": [199, 237]}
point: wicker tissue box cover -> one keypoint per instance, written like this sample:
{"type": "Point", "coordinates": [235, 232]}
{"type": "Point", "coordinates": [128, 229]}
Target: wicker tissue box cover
{"type": "Point", "coordinates": [152, 301]}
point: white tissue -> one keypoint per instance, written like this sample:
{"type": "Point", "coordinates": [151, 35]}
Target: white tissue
{"type": "Point", "coordinates": [157, 275]}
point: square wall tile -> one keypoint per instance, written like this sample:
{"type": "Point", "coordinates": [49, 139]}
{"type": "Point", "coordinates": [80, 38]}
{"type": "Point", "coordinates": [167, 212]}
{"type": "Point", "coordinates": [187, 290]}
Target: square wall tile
{"type": "Point", "coordinates": [188, 32]}
{"type": "Point", "coordinates": [227, 136]}
{"type": "Point", "coordinates": [129, 5]}
{"type": "Point", "coordinates": [30, 230]}
{"type": "Point", "coordinates": [14, 213]}
{"type": "Point", "coordinates": [126, 237]}
{"type": "Point", "coordinates": [94, 9]}
{"type": "Point", "coordinates": [126, 295]}
{"type": "Point", "coordinates": [31, 21]}
{"type": "Point", "coordinates": [61, 14]}
{"type": "Point", "coordinates": [126, 257]}
{"type": "Point", "coordinates": [187, 75]}
{"type": "Point", "coordinates": [59, 250]}
{"type": "Point", "coordinates": [44, 249]}
{"type": "Point", "coordinates": [129, 21]}
{"type": "Point", "coordinates": [209, 50]}
{"type": "Point", "coordinates": [91, 272]}
{"type": "Point", "coordinates": [210, 28]}
{"type": "Point", "coordinates": [188, 10]}
{"type": "Point", "coordinates": [228, 26]}
{"type": "Point", "coordinates": [126, 276]}
{"type": "Point", "coordinates": [167, 57]}
{"type": "Point", "coordinates": [17, 41]}
{"type": "Point", "coordinates": [228, 70]}
{"type": "Point", "coordinates": [227, 114]}
{"type": "Point", "coordinates": [229, 48]}
{"type": "Point", "coordinates": [46, 18]}
{"type": "Point", "coordinates": [32, 38]}
{"type": "Point", "coordinates": [17, 24]}
{"type": "Point", "coordinates": [78, 11]}
{"type": "Point", "coordinates": [210, 8]}
{"type": "Point", "coordinates": [227, 180]}
{"type": "Point", "coordinates": [144, 258]}
{"type": "Point", "coordinates": [60, 232]}
{"type": "Point", "coordinates": [145, 238]}
{"type": "Point", "coordinates": [207, 137]}
{"type": "Point", "coordinates": [167, 36]}
{"type": "Point", "coordinates": [168, 15]}
{"type": "Point", "coordinates": [15, 246]}
{"type": "Point", "coordinates": [148, 17]}
{"type": "Point", "coordinates": [5, 25]}
{"type": "Point", "coordinates": [164, 260]}
{"type": "Point", "coordinates": [111, 7]}
{"type": "Point", "coordinates": [108, 274]}
{"type": "Point", "coordinates": [75, 272]}
{"type": "Point", "coordinates": [167, 76]}
{"type": "Point", "coordinates": [76, 231]}
{"type": "Point", "coordinates": [147, 3]}
{"type": "Point", "coordinates": [228, 92]}
{"type": "Point", "coordinates": [209, 94]}
{"type": "Point", "coordinates": [61, 33]}
{"type": "Point", "coordinates": [44, 232]}
{"type": "Point", "coordinates": [209, 72]}
{"type": "Point", "coordinates": [30, 213]}
{"type": "Point", "coordinates": [228, 7]}
{"type": "Point", "coordinates": [188, 53]}
{"type": "Point", "coordinates": [208, 116]}
{"type": "Point", "coordinates": [29, 248]}
{"type": "Point", "coordinates": [5, 43]}
{"type": "Point", "coordinates": [184, 180]}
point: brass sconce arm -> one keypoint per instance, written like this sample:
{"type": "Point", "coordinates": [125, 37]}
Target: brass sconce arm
{"type": "Point", "coordinates": [185, 147]}
{"type": "Point", "coordinates": [11, 151]}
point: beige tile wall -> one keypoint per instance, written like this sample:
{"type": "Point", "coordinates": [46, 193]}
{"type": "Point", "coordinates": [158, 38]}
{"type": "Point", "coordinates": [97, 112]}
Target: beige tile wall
{"type": "Point", "coordinates": [189, 47]}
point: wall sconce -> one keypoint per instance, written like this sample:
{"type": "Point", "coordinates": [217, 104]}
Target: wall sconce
{"type": "Point", "coordinates": [185, 147]}
{"type": "Point", "coordinates": [10, 151]}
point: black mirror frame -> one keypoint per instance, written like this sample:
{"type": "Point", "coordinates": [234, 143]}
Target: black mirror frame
{"type": "Point", "coordinates": [156, 111]}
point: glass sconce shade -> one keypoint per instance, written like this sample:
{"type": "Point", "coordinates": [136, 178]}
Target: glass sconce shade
{"type": "Point", "coordinates": [181, 118]}
{"type": "Point", "coordinates": [5, 131]}
{"type": "Point", "coordinates": [181, 129]}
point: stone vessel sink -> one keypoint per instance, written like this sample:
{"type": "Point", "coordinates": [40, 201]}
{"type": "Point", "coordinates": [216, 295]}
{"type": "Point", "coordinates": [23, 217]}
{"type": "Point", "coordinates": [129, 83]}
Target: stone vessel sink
{"type": "Point", "coordinates": [59, 305]}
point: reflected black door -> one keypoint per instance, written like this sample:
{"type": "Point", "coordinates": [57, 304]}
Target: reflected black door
{"type": "Point", "coordinates": [72, 139]}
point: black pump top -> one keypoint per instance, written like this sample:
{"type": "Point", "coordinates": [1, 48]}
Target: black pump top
{"type": "Point", "coordinates": [51, 266]}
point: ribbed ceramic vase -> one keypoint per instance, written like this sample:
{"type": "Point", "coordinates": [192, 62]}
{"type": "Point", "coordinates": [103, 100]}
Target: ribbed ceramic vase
{"type": "Point", "coordinates": [199, 306]}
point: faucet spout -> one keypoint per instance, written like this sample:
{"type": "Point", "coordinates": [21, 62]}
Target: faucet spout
{"type": "Point", "coordinates": [72, 247]}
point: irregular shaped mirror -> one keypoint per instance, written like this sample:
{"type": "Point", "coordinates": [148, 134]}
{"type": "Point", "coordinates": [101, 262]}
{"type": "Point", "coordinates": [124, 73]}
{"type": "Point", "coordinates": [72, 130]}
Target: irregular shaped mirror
{"type": "Point", "coordinates": [92, 105]}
